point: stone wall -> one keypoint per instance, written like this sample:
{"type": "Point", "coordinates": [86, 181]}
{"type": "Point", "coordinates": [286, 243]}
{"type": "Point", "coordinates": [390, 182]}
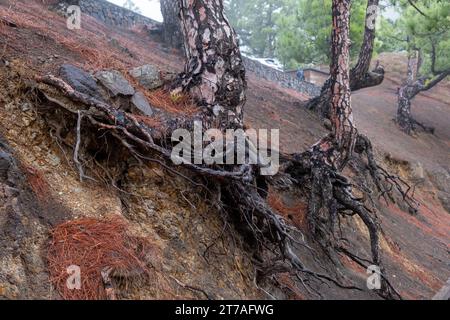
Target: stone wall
{"type": "Point", "coordinates": [284, 79]}
{"type": "Point", "coordinates": [114, 15]}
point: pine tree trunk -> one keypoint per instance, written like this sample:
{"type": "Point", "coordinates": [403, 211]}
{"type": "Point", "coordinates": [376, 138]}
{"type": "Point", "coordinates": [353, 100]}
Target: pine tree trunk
{"type": "Point", "coordinates": [344, 130]}
{"type": "Point", "coordinates": [410, 89]}
{"type": "Point", "coordinates": [360, 76]}
{"type": "Point", "coordinates": [404, 118]}
{"type": "Point", "coordinates": [331, 154]}
{"type": "Point", "coordinates": [214, 72]}
{"type": "Point", "coordinates": [335, 149]}
{"type": "Point", "coordinates": [172, 36]}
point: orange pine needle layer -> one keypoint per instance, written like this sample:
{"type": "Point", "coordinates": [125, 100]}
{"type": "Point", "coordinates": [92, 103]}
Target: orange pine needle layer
{"type": "Point", "coordinates": [93, 245]}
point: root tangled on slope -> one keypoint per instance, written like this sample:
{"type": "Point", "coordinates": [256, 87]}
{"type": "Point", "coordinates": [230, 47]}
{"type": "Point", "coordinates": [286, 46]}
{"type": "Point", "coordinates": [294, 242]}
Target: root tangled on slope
{"type": "Point", "coordinates": [242, 192]}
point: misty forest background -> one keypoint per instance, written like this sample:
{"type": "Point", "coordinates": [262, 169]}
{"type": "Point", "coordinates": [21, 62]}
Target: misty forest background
{"type": "Point", "coordinates": [297, 32]}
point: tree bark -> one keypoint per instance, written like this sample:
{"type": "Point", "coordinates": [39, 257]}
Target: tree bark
{"type": "Point", "coordinates": [338, 147]}
{"type": "Point", "coordinates": [413, 86]}
{"type": "Point", "coordinates": [331, 154]}
{"type": "Point", "coordinates": [360, 76]}
{"type": "Point", "coordinates": [404, 118]}
{"type": "Point", "coordinates": [214, 72]}
{"type": "Point", "coordinates": [172, 35]}
{"type": "Point", "coordinates": [407, 92]}
{"type": "Point", "coordinates": [344, 130]}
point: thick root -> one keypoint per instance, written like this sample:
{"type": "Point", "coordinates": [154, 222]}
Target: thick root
{"type": "Point", "coordinates": [387, 184]}
{"type": "Point", "coordinates": [244, 192]}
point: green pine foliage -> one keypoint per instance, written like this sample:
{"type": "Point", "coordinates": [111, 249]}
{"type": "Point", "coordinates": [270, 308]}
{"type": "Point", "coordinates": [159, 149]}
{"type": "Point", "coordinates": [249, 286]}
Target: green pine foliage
{"type": "Point", "coordinates": [420, 28]}
{"type": "Point", "coordinates": [297, 32]}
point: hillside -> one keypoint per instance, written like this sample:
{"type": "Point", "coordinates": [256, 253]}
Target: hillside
{"type": "Point", "coordinates": [193, 251]}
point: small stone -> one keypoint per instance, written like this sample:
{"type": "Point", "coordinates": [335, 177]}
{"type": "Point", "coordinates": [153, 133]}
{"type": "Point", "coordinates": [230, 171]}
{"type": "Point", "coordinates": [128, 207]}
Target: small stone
{"type": "Point", "coordinates": [418, 171]}
{"type": "Point", "coordinates": [148, 76]}
{"type": "Point", "coordinates": [139, 101]}
{"type": "Point", "coordinates": [54, 160]}
{"type": "Point", "coordinates": [115, 82]}
{"type": "Point", "coordinates": [26, 121]}
{"type": "Point", "coordinates": [80, 80]}
{"type": "Point", "coordinates": [327, 124]}
{"type": "Point", "coordinates": [25, 107]}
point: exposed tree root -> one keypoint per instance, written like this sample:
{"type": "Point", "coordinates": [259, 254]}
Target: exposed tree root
{"type": "Point", "coordinates": [409, 125]}
{"type": "Point", "coordinates": [244, 192]}
{"type": "Point", "coordinates": [331, 196]}
{"type": "Point", "coordinates": [385, 182]}
{"type": "Point", "coordinates": [412, 88]}
{"type": "Point", "coordinates": [424, 127]}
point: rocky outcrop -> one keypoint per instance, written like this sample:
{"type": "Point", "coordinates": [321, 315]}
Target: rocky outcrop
{"type": "Point", "coordinates": [148, 76]}
{"type": "Point", "coordinates": [80, 80]}
{"type": "Point", "coordinates": [112, 86]}
{"type": "Point", "coordinates": [140, 102]}
{"type": "Point", "coordinates": [115, 83]}
{"type": "Point", "coordinates": [172, 34]}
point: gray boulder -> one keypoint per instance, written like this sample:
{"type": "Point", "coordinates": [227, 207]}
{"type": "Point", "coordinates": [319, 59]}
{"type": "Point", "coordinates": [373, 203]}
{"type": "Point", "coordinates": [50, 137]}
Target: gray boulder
{"type": "Point", "coordinates": [148, 76]}
{"type": "Point", "coordinates": [115, 83]}
{"type": "Point", "coordinates": [139, 101]}
{"type": "Point", "coordinates": [80, 80]}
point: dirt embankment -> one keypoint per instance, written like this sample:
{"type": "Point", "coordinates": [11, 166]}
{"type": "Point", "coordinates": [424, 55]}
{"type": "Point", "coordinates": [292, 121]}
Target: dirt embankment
{"type": "Point", "coordinates": [193, 246]}
{"type": "Point", "coordinates": [42, 189]}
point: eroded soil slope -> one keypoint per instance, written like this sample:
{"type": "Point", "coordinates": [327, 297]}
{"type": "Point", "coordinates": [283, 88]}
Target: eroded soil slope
{"type": "Point", "coordinates": [193, 246]}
